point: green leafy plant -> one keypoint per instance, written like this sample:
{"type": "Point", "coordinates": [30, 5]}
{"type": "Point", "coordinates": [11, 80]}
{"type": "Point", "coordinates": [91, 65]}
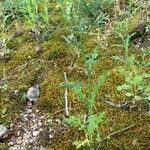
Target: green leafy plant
{"type": "Point", "coordinates": [34, 12]}
{"type": "Point", "coordinates": [135, 86]}
{"type": "Point", "coordinates": [86, 94]}
{"type": "Point", "coordinates": [37, 17]}
{"type": "Point", "coordinates": [83, 14]}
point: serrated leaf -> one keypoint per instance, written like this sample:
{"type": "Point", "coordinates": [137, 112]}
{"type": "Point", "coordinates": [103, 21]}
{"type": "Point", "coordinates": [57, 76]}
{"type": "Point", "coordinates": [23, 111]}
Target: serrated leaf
{"type": "Point", "coordinates": [73, 120]}
{"type": "Point", "coordinates": [123, 87]}
{"type": "Point", "coordinates": [137, 80]}
{"type": "Point", "coordinates": [76, 86]}
{"type": "Point", "coordinates": [93, 122]}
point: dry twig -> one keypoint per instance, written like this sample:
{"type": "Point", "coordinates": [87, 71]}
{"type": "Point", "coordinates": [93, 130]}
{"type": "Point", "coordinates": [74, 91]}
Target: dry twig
{"type": "Point", "coordinates": [116, 132]}
{"type": "Point", "coordinates": [66, 97]}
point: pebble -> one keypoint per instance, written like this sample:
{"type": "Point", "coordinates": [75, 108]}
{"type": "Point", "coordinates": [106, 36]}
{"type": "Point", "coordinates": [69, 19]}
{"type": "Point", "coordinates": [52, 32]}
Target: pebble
{"type": "Point", "coordinates": [42, 117]}
{"type": "Point", "coordinates": [18, 133]}
{"type": "Point", "coordinates": [50, 136]}
{"type": "Point", "coordinates": [29, 111]}
{"type": "Point", "coordinates": [39, 124]}
{"type": "Point", "coordinates": [50, 129]}
{"type": "Point", "coordinates": [37, 111]}
{"type": "Point", "coordinates": [35, 133]}
{"type": "Point", "coordinates": [31, 141]}
{"type": "Point", "coordinates": [40, 129]}
{"type": "Point", "coordinates": [28, 130]}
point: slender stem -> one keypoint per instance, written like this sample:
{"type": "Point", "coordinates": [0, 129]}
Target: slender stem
{"type": "Point", "coordinates": [66, 97]}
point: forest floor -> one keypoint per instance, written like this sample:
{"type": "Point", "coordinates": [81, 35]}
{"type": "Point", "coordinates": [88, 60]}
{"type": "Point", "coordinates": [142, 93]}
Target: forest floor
{"type": "Point", "coordinates": [126, 125]}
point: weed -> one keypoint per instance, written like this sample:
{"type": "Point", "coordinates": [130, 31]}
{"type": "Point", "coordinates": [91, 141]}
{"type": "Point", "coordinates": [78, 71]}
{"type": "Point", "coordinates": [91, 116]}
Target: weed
{"type": "Point", "coordinates": [34, 12]}
{"type": "Point", "coordinates": [135, 86]}
{"type": "Point", "coordinates": [90, 124]}
{"type": "Point", "coordinates": [84, 14]}
{"type": "Point", "coordinates": [37, 18]}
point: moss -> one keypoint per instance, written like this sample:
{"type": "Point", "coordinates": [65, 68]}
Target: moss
{"type": "Point", "coordinates": [25, 67]}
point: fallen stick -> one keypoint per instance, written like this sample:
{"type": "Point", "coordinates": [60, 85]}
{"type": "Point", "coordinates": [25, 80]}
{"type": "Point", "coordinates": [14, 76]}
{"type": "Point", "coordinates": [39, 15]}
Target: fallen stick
{"type": "Point", "coordinates": [123, 105]}
{"type": "Point", "coordinates": [66, 97]}
{"type": "Point", "coordinates": [116, 132]}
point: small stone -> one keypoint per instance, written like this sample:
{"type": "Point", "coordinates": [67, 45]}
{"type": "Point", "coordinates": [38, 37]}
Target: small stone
{"type": "Point", "coordinates": [29, 111]}
{"type": "Point", "coordinates": [38, 48]}
{"type": "Point", "coordinates": [50, 136]}
{"type": "Point", "coordinates": [40, 129]}
{"type": "Point", "coordinates": [35, 133]}
{"type": "Point", "coordinates": [42, 117]}
{"type": "Point", "coordinates": [37, 111]}
{"type": "Point", "coordinates": [16, 92]}
{"type": "Point", "coordinates": [50, 129]}
{"type": "Point", "coordinates": [31, 141]}
{"type": "Point", "coordinates": [39, 124]}
{"type": "Point", "coordinates": [18, 133]}
{"type": "Point", "coordinates": [3, 130]}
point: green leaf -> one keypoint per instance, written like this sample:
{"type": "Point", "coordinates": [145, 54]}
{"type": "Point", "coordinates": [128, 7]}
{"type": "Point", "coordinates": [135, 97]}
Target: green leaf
{"type": "Point", "coordinates": [91, 59]}
{"type": "Point", "coordinates": [123, 87]}
{"type": "Point", "coordinates": [137, 80]}
{"type": "Point", "coordinates": [4, 110]}
{"type": "Point", "coordinates": [99, 83]}
{"type": "Point", "coordinates": [98, 137]}
{"type": "Point", "coordinates": [130, 60]}
{"type": "Point", "coordinates": [76, 86]}
{"type": "Point", "coordinates": [73, 120]}
{"type": "Point", "coordinates": [93, 122]}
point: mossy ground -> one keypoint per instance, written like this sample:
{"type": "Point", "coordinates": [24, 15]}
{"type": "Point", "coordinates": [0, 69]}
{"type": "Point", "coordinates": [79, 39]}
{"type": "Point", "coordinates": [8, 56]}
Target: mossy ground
{"type": "Point", "coordinates": [25, 67]}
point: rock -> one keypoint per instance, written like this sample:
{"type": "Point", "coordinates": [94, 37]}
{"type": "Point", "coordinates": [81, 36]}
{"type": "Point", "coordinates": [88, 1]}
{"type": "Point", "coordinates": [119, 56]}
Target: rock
{"type": "Point", "coordinates": [38, 48]}
{"type": "Point", "coordinates": [37, 111]}
{"type": "Point", "coordinates": [31, 141]}
{"type": "Point", "coordinates": [35, 133]}
{"type": "Point", "coordinates": [29, 111]}
{"type": "Point", "coordinates": [33, 93]}
{"type": "Point", "coordinates": [42, 117]}
{"type": "Point", "coordinates": [39, 123]}
{"type": "Point", "coordinates": [29, 105]}
{"type": "Point", "coordinates": [3, 130]}
{"type": "Point", "coordinates": [16, 92]}
{"type": "Point", "coordinates": [18, 133]}
{"type": "Point", "coordinates": [50, 129]}
{"type": "Point", "coordinates": [50, 136]}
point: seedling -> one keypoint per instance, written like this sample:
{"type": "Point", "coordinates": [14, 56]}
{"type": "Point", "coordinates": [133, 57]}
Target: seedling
{"type": "Point", "coordinates": [90, 124]}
